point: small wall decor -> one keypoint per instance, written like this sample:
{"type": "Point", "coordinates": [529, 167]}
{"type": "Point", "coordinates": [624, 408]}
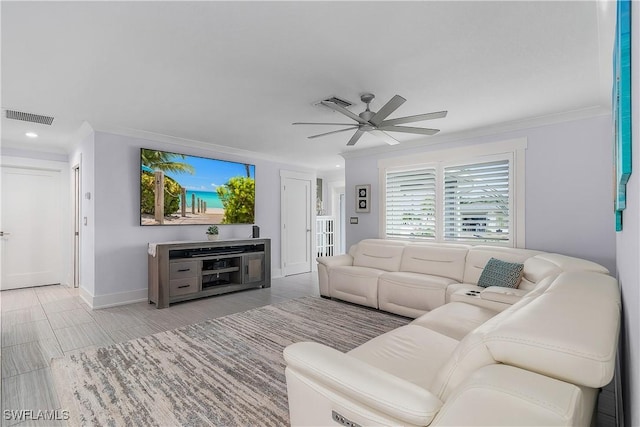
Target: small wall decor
{"type": "Point", "coordinates": [622, 107]}
{"type": "Point", "coordinates": [363, 198]}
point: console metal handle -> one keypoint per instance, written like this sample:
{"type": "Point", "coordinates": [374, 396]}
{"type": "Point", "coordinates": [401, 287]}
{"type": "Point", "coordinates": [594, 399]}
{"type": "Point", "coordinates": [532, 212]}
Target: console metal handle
{"type": "Point", "coordinates": [184, 269]}
{"type": "Point", "coordinates": [183, 286]}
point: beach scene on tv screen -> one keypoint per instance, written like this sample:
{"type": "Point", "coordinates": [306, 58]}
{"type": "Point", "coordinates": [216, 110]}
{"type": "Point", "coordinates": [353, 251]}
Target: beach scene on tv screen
{"type": "Point", "coordinates": [195, 190]}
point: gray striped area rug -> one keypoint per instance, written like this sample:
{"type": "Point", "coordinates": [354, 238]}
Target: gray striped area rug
{"type": "Point", "coordinates": [227, 371]}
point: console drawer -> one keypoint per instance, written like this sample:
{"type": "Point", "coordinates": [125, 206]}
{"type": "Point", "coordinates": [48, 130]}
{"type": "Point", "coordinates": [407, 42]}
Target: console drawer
{"type": "Point", "coordinates": [183, 286]}
{"type": "Point", "coordinates": [183, 269]}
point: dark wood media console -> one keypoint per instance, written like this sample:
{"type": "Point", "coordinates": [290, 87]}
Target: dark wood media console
{"type": "Point", "coordinates": [180, 271]}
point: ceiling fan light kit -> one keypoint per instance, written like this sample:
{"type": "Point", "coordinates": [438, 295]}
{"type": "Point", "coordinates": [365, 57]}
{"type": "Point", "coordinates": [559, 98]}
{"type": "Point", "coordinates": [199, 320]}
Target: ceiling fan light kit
{"type": "Point", "coordinates": [375, 123]}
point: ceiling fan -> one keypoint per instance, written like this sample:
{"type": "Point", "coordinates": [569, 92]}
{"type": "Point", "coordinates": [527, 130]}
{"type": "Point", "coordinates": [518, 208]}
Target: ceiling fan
{"type": "Point", "coordinates": [375, 123]}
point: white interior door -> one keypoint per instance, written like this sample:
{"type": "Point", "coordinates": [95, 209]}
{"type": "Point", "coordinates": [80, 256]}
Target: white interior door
{"type": "Point", "coordinates": [31, 227]}
{"type": "Point", "coordinates": [297, 230]}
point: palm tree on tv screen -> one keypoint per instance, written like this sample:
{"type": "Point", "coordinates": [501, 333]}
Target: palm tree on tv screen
{"type": "Point", "coordinates": [163, 161]}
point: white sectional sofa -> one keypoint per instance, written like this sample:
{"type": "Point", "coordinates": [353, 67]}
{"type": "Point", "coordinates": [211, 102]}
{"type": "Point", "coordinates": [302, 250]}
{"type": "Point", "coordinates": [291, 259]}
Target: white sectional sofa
{"type": "Point", "coordinates": [411, 279]}
{"type": "Point", "coordinates": [536, 357]}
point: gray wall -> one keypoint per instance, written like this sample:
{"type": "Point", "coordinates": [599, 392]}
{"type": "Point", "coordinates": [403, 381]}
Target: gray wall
{"type": "Point", "coordinates": [568, 188]}
{"type": "Point", "coordinates": [121, 243]}
{"type": "Point", "coordinates": [628, 254]}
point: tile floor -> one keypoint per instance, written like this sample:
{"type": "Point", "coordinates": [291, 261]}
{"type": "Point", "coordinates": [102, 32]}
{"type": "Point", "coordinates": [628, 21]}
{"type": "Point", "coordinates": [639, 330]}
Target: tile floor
{"type": "Point", "coordinates": [38, 324]}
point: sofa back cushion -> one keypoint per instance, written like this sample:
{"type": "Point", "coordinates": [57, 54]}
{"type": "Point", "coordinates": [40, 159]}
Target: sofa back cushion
{"type": "Point", "coordinates": [536, 269]}
{"type": "Point", "coordinates": [568, 263]}
{"type": "Point", "coordinates": [435, 259]}
{"type": "Point", "coordinates": [547, 264]}
{"type": "Point", "coordinates": [478, 257]}
{"type": "Point", "coordinates": [379, 254]}
{"type": "Point", "coordinates": [570, 332]}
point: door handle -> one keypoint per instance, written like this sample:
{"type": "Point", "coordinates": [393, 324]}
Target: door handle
{"type": "Point", "coordinates": [2, 234]}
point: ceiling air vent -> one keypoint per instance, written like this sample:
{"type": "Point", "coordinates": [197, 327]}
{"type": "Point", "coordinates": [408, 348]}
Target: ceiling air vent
{"type": "Point", "coordinates": [28, 117]}
{"type": "Point", "coordinates": [338, 101]}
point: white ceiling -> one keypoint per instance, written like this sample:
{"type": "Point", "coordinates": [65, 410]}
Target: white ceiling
{"type": "Point", "coordinates": [239, 73]}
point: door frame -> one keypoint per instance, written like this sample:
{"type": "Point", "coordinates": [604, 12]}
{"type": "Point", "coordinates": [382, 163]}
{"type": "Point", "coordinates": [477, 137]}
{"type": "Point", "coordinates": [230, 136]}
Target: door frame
{"type": "Point", "coordinates": [284, 175]}
{"type": "Point", "coordinates": [336, 188]}
{"type": "Point", "coordinates": [77, 223]}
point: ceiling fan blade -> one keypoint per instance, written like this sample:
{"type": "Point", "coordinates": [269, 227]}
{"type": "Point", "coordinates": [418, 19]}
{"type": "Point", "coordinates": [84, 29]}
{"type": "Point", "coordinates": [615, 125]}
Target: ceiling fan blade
{"type": "Point", "coordinates": [332, 132]}
{"type": "Point", "coordinates": [408, 129]}
{"type": "Point", "coordinates": [416, 118]}
{"type": "Point", "coordinates": [341, 109]}
{"type": "Point", "coordinates": [387, 109]}
{"type": "Point", "coordinates": [385, 137]}
{"type": "Point", "coordinates": [332, 124]}
{"type": "Point", "coordinates": [356, 136]}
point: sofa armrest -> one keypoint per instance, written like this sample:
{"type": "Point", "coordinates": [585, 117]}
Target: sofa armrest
{"type": "Point", "coordinates": [327, 263]}
{"type": "Point", "coordinates": [335, 261]}
{"type": "Point", "coordinates": [364, 383]}
{"type": "Point", "coordinates": [502, 294]}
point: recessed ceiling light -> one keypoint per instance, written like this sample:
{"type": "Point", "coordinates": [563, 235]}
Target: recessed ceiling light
{"type": "Point", "coordinates": [31, 134]}
{"type": "Point", "coordinates": [337, 166]}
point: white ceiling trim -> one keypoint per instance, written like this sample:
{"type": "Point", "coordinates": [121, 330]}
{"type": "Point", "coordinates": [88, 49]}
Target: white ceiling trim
{"type": "Point", "coordinates": [484, 131]}
{"type": "Point", "coordinates": [184, 142]}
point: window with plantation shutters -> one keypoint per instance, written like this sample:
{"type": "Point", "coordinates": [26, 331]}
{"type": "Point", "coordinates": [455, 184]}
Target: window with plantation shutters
{"type": "Point", "coordinates": [476, 202]}
{"type": "Point", "coordinates": [411, 204]}
{"type": "Point", "coordinates": [457, 197]}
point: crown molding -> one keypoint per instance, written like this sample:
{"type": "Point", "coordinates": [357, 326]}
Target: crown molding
{"type": "Point", "coordinates": [516, 125]}
{"type": "Point", "coordinates": [192, 143]}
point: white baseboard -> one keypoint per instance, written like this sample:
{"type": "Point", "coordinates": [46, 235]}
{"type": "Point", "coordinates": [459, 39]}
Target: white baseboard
{"type": "Point", "coordinates": [276, 273]}
{"type": "Point", "coordinates": [113, 300]}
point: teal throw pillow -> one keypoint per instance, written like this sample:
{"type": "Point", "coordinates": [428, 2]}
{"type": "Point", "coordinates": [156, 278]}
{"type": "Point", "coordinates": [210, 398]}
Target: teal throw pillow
{"type": "Point", "coordinates": [501, 273]}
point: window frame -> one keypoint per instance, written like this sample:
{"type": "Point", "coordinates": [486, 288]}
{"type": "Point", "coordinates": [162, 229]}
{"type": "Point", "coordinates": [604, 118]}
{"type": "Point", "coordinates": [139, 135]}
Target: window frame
{"type": "Point", "coordinates": [511, 150]}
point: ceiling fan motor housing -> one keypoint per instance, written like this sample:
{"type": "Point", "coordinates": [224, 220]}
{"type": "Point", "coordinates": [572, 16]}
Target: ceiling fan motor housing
{"type": "Point", "coordinates": [367, 98]}
{"type": "Point", "coordinates": [367, 114]}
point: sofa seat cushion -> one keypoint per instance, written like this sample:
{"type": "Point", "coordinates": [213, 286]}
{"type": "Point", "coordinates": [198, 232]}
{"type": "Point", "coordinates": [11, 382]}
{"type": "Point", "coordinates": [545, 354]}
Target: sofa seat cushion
{"type": "Point", "coordinates": [502, 294]}
{"type": "Point", "coordinates": [411, 352]}
{"type": "Point", "coordinates": [455, 319]}
{"type": "Point", "coordinates": [411, 294]}
{"type": "Point", "coordinates": [501, 395]}
{"type": "Point", "coordinates": [355, 284]}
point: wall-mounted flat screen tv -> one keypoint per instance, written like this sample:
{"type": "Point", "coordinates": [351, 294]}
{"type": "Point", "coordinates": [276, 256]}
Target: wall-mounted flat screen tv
{"type": "Point", "coordinates": [177, 189]}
